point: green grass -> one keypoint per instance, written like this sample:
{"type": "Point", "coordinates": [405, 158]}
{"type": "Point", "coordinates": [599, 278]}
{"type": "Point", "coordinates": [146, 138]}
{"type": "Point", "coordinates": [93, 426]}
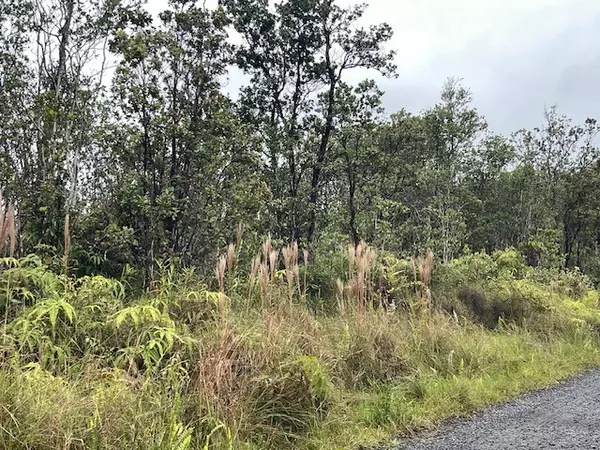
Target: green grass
{"type": "Point", "coordinates": [84, 367]}
{"type": "Point", "coordinates": [501, 367]}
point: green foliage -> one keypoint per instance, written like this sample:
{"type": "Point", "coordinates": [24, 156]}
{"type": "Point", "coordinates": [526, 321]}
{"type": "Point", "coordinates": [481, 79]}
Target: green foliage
{"type": "Point", "coordinates": [399, 279]}
{"type": "Point", "coordinates": [329, 263]}
{"type": "Point", "coordinates": [126, 185]}
{"type": "Point", "coordinates": [83, 360]}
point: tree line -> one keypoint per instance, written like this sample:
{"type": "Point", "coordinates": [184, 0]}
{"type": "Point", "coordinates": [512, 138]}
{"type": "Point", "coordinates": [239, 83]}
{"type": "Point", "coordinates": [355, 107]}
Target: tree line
{"type": "Point", "coordinates": [120, 147]}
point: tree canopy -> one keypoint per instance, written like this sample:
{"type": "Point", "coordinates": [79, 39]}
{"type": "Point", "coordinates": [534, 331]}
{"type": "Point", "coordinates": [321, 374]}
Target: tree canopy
{"type": "Point", "coordinates": [120, 147]}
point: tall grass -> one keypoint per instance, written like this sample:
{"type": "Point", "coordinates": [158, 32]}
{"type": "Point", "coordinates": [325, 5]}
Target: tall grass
{"type": "Point", "coordinates": [254, 358]}
{"type": "Point", "coordinates": [8, 234]}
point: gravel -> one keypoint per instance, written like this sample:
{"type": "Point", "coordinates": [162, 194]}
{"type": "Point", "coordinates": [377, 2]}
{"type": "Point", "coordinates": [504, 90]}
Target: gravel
{"type": "Point", "coordinates": [565, 416]}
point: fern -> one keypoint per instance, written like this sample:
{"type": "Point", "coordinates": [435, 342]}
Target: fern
{"type": "Point", "coordinates": [51, 309]}
{"type": "Point", "coordinates": [137, 314]}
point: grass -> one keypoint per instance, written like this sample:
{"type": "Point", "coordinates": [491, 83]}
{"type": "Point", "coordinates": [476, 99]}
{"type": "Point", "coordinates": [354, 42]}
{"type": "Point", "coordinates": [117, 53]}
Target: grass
{"type": "Point", "coordinates": [261, 363]}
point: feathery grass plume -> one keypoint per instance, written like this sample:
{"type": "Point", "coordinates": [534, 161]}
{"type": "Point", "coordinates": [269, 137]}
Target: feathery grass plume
{"type": "Point", "coordinates": [220, 270]}
{"type": "Point", "coordinates": [231, 257]}
{"type": "Point", "coordinates": [362, 259]}
{"type": "Point", "coordinates": [351, 259]}
{"type": "Point", "coordinates": [67, 238]}
{"type": "Point", "coordinates": [425, 268]}
{"type": "Point", "coordinates": [264, 282]}
{"type": "Point", "coordinates": [290, 261]}
{"type": "Point", "coordinates": [239, 233]}
{"type": "Point", "coordinates": [267, 247]}
{"type": "Point", "coordinates": [273, 257]}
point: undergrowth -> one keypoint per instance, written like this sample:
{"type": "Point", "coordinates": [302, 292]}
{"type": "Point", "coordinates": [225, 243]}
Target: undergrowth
{"type": "Point", "coordinates": [269, 357]}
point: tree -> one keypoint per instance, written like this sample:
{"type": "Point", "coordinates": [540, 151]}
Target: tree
{"type": "Point", "coordinates": [353, 140]}
{"type": "Point", "coordinates": [56, 88]}
{"type": "Point", "coordinates": [453, 127]}
{"type": "Point", "coordinates": [297, 54]}
{"type": "Point", "coordinates": [183, 154]}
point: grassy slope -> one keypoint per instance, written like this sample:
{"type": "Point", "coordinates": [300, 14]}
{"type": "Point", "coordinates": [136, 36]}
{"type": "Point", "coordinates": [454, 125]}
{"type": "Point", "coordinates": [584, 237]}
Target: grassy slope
{"type": "Point", "coordinates": [172, 370]}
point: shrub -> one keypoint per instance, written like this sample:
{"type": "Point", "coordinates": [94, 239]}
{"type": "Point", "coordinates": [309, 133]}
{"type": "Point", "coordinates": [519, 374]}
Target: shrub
{"type": "Point", "coordinates": [489, 308]}
{"type": "Point", "coordinates": [399, 282]}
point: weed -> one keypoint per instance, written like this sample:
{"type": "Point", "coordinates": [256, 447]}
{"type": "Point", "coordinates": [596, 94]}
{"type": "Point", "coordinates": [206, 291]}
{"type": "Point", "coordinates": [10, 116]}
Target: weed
{"type": "Point", "coordinates": [83, 365]}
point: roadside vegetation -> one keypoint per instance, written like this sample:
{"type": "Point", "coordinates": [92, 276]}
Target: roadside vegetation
{"type": "Point", "coordinates": [271, 354]}
{"type": "Point", "coordinates": [185, 267]}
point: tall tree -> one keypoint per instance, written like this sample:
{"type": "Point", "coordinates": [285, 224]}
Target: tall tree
{"type": "Point", "coordinates": [57, 49]}
{"type": "Point", "coordinates": [358, 115]}
{"type": "Point", "coordinates": [296, 53]}
{"type": "Point", "coordinates": [184, 156]}
{"type": "Point", "coordinates": [453, 126]}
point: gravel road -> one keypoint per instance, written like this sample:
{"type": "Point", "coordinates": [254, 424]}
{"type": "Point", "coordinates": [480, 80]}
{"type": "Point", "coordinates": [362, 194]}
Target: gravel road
{"type": "Point", "coordinates": [565, 416]}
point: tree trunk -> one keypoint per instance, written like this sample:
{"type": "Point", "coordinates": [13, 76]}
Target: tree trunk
{"type": "Point", "coordinates": [318, 167]}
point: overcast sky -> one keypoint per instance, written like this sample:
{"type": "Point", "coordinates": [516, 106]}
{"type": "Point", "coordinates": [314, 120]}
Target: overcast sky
{"type": "Point", "coordinates": [517, 56]}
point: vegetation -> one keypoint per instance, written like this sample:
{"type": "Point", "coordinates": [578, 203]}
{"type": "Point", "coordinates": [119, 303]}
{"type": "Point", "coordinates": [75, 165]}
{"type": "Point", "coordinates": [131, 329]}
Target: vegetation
{"type": "Point", "coordinates": [181, 269]}
{"type": "Point", "coordinates": [259, 363]}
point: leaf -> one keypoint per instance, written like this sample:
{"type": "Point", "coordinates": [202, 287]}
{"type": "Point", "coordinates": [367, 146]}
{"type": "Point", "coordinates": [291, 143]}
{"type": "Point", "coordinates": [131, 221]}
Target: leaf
{"type": "Point", "coordinates": [53, 314]}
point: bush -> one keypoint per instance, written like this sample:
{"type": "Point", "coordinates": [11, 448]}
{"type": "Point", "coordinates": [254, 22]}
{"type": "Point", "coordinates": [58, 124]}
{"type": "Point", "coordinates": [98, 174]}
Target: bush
{"type": "Point", "coordinates": [570, 283]}
{"type": "Point", "coordinates": [85, 366]}
{"type": "Point", "coordinates": [507, 305]}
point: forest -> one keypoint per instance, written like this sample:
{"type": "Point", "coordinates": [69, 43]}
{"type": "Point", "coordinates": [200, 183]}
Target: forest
{"type": "Point", "coordinates": [287, 266]}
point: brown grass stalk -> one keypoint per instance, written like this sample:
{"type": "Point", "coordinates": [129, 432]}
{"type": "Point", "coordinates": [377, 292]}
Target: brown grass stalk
{"type": "Point", "coordinates": [220, 270]}
{"type": "Point", "coordinates": [425, 269]}
{"type": "Point", "coordinates": [264, 282]}
{"type": "Point", "coordinates": [239, 234]}
{"type": "Point", "coordinates": [231, 257]}
{"type": "Point", "coordinates": [273, 258]}
{"type": "Point", "coordinates": [362, 259]}
{"type": "Point", "coordinates": [267, 248]}
{"type": "Point", "coordinates": [290, 262]}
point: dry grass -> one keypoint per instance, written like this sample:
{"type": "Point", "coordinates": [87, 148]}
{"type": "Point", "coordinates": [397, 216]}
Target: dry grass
{"type": "Point", "coordinates": [231, 257]}
{"type": "Point", "coordinates": [8, 232]}
{"type": "Point", "coordinates": [278, 376]}
{"type": "Point", "coordinates": [361, 264]}
{"type": "Point", "coordinates": [264, 270]}
{"type": "Point", "coordinates": [425, 269]}
{"type": "Point", "coordinates": [292, 270]}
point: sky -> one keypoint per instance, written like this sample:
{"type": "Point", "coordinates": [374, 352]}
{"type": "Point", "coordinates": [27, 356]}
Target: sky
{"type": "Point", "coordinates": [517, 56]}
